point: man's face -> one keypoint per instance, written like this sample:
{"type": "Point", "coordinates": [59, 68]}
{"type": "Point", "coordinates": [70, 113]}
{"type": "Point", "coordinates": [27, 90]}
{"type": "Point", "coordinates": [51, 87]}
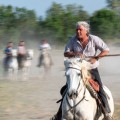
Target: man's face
{"type": "Point", "coordinates": [22, 43]}
{"type": "Point", "coordinates": [81, 32]}
{"type": "Point", "coordinates": [10, 45]}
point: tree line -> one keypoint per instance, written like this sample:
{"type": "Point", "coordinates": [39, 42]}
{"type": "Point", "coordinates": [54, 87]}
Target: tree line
{"type": "Point", "coordinates": [59, 23]}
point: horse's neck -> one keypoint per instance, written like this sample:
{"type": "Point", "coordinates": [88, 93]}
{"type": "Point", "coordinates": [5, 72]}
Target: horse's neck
{"type": "Point", "coordinates": [84, 92]}
{"type": "Point", "coordinates": [81, 90]}
{"type": "Point", "coordinates": [45, 51]}
{"type": "Point", "coordinates": [13, 58]}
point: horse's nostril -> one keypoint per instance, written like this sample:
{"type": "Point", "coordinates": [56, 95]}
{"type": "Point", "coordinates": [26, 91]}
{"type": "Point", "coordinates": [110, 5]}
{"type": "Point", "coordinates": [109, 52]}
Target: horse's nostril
{"type": "Point", "coordinates": [72, 94]}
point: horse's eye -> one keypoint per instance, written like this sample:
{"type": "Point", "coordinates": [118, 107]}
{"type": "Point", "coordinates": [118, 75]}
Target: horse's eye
{"type": "Point", "coordinates": [79, 74]}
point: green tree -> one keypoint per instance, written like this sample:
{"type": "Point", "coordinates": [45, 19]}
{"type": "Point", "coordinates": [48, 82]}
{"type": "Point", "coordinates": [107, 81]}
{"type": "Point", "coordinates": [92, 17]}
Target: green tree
{"type": "Point", "coordinates": [113, 4]}
{"type": "Point", "coordinates": [61, 19]}
{"type": "Point", "coordinates": [104, 23]}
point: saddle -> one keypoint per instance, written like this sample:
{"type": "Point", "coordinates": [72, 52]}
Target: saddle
{"type": "Point", "coordinates": [95, 85]}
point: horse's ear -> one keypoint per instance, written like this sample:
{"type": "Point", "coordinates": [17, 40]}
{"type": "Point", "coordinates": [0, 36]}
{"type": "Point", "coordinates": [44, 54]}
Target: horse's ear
{"type": "Point", "coordinates": [65, 61]}
{"type": "Point", "coordinates": [80, 60]}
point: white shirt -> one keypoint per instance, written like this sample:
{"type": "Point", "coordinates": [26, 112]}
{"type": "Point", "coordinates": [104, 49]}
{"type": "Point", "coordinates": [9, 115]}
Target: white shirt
{"type": "Point", "coordinates": [44, 46]}
{"type": "Point", "coordinates": [94, 44]}
{"type": "Point", "coordinates": [21, 50]}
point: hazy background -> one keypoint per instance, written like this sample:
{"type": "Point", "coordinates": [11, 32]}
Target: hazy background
{"type": "Point", "coordinates": [35, 98]}
{"type": "Point", "coordinates": [34, 20]}
{"type": "Point", "coordinates": [28, 21]}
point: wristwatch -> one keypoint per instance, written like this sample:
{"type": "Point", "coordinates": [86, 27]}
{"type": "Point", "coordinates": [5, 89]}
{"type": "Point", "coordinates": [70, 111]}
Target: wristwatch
{"type": "Point", "coordinates": [97, 58]}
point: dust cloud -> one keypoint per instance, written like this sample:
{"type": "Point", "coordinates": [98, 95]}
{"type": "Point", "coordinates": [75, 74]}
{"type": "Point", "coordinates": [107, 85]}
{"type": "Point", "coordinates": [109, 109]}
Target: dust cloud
{"type": "Point", "coordinates": [35, 98]}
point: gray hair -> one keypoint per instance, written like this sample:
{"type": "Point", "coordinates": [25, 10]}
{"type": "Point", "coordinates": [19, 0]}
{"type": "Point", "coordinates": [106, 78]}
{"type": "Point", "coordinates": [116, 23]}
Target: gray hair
{"type": "Point", "coordinates": [85, 24]}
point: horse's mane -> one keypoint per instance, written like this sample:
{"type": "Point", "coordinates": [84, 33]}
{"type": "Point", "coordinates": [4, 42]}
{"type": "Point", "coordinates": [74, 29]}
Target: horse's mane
{"type": "Point", "coordinates": [80, 64]}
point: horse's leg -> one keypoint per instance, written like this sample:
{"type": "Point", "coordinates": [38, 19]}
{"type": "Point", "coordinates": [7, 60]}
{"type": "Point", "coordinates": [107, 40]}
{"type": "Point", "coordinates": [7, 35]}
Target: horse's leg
{"type": "Point", "coordinates": [15, 74]}
{"type": "Point", "coordinates": [5, 72]}
{"type": "Point", "coordinates": [10, 74]}
{"type": "Point", "coordinates": [25, 73]}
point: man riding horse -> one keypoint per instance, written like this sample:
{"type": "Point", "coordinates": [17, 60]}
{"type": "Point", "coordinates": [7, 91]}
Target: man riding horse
{"type": "Point", "coordinates": [83, 44]}
{"type": "Point", "coordinates": [8, 52]}
{"type": "Point", "coordinates": [43, 46]}
{"type": "Point", "coordinates": [21, 53]}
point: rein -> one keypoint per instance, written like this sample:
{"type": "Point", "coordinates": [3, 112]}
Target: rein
{"type": "Point", "coordinates": [81, 76]}
{"type": "Point", "coordinates": [72, 107]}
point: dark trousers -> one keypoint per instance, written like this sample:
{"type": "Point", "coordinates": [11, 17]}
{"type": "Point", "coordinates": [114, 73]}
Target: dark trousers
{"type": "Point", "coordinates": [40, 60]}
{"type": "Point", "coordinates": [20, 59]}
{"type": "Point", "coordinates": [101, 93]}
{"type": "Point", "coordinates": [7, 60]}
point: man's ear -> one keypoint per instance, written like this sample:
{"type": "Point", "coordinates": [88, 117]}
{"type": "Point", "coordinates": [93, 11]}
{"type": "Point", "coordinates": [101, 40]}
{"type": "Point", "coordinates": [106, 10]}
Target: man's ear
{"type": "Point", "coordinates": [87, 33]}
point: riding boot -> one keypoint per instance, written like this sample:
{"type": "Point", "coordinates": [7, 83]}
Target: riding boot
{"type": "Point", "coordinates": [106, 110]}
{"type": "Point", "coordinates": [58, 116]}
{"type": "Point", "coordinates": [40, 61]}
{"type": "Point", "coordinates": [19, 61]}
{"type": "Point", "coordinates": [8, 58]}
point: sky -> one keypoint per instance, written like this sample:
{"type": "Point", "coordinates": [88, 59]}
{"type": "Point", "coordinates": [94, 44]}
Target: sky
{"type": "Point", "coordinates": [41, 6]}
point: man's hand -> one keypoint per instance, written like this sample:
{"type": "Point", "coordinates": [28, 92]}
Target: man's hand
{"type": "Point", "coordinates": [92, 60]}
{"type": "Point", "coordinates": [78, 54]}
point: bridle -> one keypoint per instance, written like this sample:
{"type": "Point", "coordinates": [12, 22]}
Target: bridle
{"type": "Point", "coordinates": [72, 107]}
{"type": "Point", "coordinates": [79, 80]}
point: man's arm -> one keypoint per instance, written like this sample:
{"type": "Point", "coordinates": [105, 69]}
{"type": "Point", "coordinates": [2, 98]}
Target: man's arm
{"type": "Point", "coordinates": [102, 54]}
{"type": "Point", "coordinates": [7, 52]}
{"type": "Point", "coordinates": [69, 54]}
{"type": "Point", "coordinates": [73, 54]}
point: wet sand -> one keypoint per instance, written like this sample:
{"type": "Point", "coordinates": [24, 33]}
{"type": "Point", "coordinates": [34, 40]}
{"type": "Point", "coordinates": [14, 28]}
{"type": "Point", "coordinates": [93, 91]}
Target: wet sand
{"type": "Point", "coordinates": [35, 98]}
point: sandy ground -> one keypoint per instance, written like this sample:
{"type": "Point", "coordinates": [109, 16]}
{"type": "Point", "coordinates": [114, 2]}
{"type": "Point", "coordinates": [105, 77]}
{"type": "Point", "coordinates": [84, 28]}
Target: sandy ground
{"type": "Point", "coordinates": [35, 98]}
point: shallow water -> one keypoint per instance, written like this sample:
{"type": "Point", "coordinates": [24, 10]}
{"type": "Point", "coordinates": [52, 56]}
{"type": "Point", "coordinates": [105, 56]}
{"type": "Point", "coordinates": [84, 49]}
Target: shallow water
{"type": "Point", "coordinates": [35, 98]}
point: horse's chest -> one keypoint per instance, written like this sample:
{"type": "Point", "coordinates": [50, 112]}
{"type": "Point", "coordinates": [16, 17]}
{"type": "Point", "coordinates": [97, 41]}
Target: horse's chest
{"type": "Point", "coordinates": [13, 63]}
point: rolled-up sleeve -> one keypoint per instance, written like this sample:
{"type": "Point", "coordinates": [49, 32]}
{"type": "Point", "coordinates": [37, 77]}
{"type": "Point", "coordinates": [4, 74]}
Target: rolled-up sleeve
{"type": "Point", "coordinates": [69, 45]}
{"type": "Point", "coordinates": [101, 45]}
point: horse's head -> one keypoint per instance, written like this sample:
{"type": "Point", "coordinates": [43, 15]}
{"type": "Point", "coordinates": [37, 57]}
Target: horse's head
{"type": "Point", "coordinates": [76, 72]}
{"type": "Point", "coordinates": [45, 51]}
{"type": "Point", "coordinates": [30, 54]}
{"type": "Point", "coordinates": [14, 52]}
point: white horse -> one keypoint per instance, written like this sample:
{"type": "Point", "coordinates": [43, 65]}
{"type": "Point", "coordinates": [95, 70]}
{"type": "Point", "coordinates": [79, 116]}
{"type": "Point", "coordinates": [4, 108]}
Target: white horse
{"type": "Point", "coordinates": [26, 64]}
{"type": "Point", "coordinates": [46, 61]}
{"type": "Point", "coordinates": [78, 104]}
{"type": "Point", "coordinates": [11, 66]}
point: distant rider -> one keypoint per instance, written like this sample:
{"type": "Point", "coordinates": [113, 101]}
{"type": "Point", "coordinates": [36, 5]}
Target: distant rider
{"type": "Point", "coordinates": [43, 46]}
{"type": "Point", "coordinates": [8, 52]}
{"type": "Point", "coordinates": [21, 53]}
